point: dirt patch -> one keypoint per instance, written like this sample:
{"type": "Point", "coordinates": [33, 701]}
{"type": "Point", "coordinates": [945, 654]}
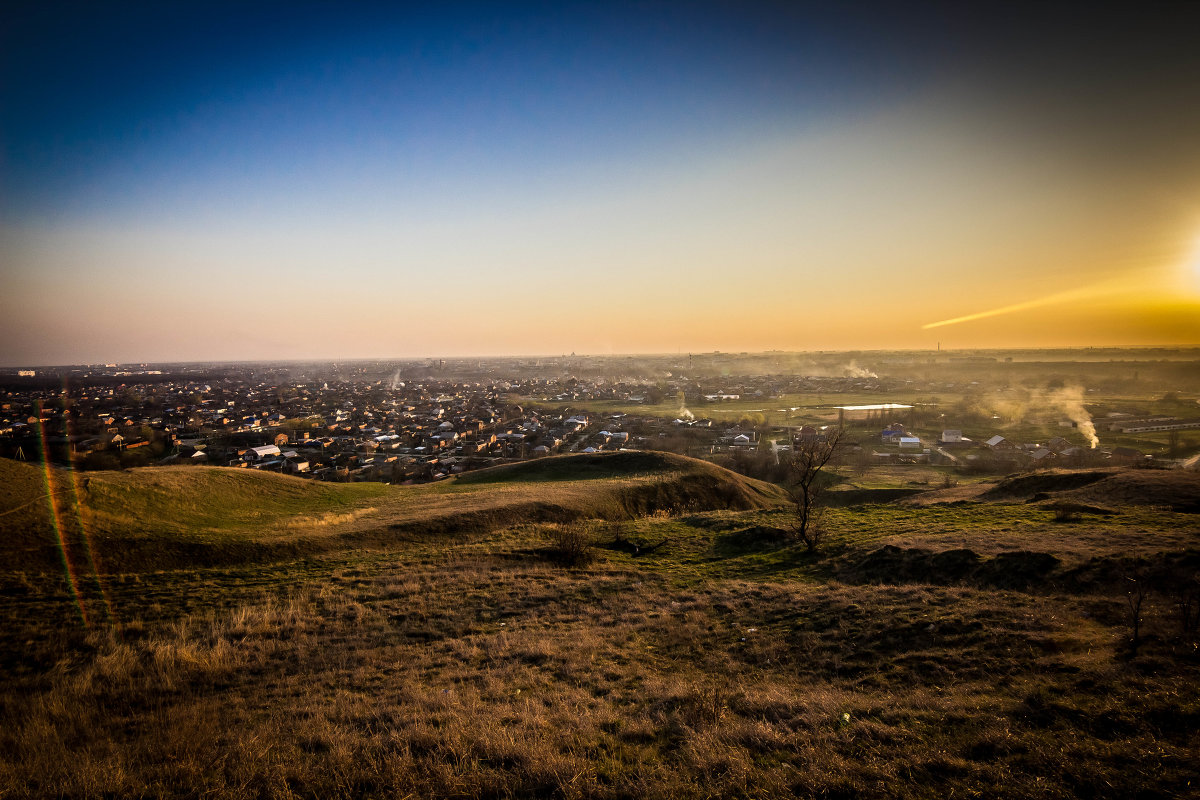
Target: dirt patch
{"type": "Point", "coordinates": [758, 537]}
{"type": "Point", "coordinates": [950, 496]}
{"type": "Point", "coordinates": [1171, 574]}
{"type": "Point", "coordinates": [1024, 487]}
{"type": "Point", "coordinates": [890, 564]}
{"type": "Point", "coordinates": [1016, 570]}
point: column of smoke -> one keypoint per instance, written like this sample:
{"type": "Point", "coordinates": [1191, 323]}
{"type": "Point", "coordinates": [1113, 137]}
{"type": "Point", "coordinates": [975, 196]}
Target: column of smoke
{"type": "Point", "coordinates": [1067, 400]}
{"type": "Point", "coordinates": [683, 409]}
{"type": "Point", "coordinates": [395, 382]}
{"type": "Point", "coordinates": [853, 370]}
{"type": "Point", "coordinates": [1070, 400]}
{"type": "Point", "coordinates": [813, 369]}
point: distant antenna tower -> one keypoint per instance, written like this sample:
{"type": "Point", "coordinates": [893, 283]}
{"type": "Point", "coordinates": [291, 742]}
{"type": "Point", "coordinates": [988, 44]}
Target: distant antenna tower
{"type": "Point", "coordinates": [20, 454]}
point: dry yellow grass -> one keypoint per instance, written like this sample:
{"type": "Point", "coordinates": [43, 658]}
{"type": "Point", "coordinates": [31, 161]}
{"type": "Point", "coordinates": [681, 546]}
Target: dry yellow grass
{"type": "Point", "coordinates": [455, 672]}
{"type": "Point", "coordinates": [474, 665]}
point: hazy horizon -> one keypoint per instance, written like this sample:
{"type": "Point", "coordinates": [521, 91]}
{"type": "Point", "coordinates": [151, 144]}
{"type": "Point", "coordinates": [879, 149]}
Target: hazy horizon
{"type": "Point", "coordinates": [1184, 350]}
{"type": "Point", "coordinates": [309, 182]}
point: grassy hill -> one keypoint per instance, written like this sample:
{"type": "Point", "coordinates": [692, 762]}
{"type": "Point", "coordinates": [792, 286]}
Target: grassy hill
{"type": "Point", "coordinates": [158, 517]}
{"type": "Point", "coordinates": [365, 640]}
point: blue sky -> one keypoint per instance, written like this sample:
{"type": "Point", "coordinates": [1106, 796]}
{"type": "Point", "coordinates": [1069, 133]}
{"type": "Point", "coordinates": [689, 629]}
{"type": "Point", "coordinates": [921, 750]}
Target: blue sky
{"type": "Point", "coordinates": [120, 108]}
{"type": "Point", "coordinates": [205, 156]}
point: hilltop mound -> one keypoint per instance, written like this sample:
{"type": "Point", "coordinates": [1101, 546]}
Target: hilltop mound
{"type": "Point", "coordinates": [584, 466]}
{"type": "Point", "coordinates": [601, 485]}
{"type": "Point", "coordinates": [648, 481]}
{"type": "Point", "coordinates": [153, 500]}
{"type": "Point", "coordinates": [1092, 490]}
{"type": "Point", "coordinates": [159, 517]}
{"type": "Point", "coordinates": [1027, 487]}
{"type": "Point", "coordinates": [1175, 489]}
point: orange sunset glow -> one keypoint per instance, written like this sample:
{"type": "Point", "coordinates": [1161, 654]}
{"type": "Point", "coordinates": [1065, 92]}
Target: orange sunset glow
{"type": "Point", "coordinates": [752, 183]}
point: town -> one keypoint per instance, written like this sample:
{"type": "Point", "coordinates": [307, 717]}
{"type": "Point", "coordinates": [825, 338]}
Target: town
{"type": "Point", "coordinates": [424, 420]}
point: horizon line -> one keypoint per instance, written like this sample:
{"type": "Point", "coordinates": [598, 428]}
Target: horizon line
{"type": "Point", "coordinates": [645, 354]}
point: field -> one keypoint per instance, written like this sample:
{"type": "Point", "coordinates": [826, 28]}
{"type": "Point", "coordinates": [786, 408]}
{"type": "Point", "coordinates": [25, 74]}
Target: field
{"type": "Point", "coordinates": [791, 409]}
{"type": "Point", "coordinates": [934, 414]}
{"type": "Point", "coordinates": [1014, 399]}
{"type": "Point", "coordinates": [328, 643]}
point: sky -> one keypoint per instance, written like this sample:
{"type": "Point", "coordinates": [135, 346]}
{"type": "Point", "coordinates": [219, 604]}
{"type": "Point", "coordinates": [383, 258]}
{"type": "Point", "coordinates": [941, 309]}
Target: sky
{"type": "Point", "coordinates": [251, 181]}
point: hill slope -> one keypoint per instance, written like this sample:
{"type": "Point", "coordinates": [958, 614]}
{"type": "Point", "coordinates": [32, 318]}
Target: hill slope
{"type": "Point", "coordinates": [160, 517]}
{"type": "Point", "coordinates": [1178, 490]}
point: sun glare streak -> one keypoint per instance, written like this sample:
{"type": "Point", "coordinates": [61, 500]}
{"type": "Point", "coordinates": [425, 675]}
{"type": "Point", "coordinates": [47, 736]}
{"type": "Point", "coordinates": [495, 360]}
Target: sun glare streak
{"type": "Point", "coordinates": [1061, 297]}
{"type": "Point", "coordinates": [1191, 269]}
{"type": "Point", "coordinates": [77, 507]}
{"type": "Point", "coordinates": [56, 523]}
{"type": "Point", "coordinates": [1149, 281]}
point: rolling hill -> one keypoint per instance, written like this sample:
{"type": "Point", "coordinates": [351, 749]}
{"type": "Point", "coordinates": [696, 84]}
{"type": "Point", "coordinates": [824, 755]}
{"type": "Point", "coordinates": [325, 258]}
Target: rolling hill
{"type": "Point", "coordinates": [160, 517]}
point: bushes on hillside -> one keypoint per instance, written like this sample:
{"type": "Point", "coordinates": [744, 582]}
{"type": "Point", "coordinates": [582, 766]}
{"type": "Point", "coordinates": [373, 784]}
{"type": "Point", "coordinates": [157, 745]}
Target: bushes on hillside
{"type": "Point", "coordinates": [570, 544]}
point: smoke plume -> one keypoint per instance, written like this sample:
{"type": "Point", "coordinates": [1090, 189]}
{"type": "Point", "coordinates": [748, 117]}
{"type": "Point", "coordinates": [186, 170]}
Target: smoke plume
{"type": "Point", "coordinates": [853, 370]}
{"type": "Point", "coordinates": [1015, 406]}
{"type": "Point", "coordinates": [1069, 400]}
{"type": "Point", "coordinates": [683, 409]}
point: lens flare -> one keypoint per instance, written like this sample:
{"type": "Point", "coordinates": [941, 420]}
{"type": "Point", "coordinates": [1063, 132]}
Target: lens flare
{"type": "Point", "coordinates": [76, 507]}
{"type": "Point", "coordinates": [56, 522]}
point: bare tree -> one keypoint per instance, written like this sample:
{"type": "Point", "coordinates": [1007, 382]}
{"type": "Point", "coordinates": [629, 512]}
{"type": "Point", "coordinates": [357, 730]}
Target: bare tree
{"type": "Point", "coordinates": [809, 456]}
{"type": "Point", "coordinates": [1135, 596]}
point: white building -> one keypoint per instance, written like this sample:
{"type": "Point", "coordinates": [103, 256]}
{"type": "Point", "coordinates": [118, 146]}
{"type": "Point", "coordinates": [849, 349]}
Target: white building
{"type": "Point", "coordinates": [266, 451]}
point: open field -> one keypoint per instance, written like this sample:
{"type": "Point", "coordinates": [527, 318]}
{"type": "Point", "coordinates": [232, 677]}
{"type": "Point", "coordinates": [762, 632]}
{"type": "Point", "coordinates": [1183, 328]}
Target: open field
{"type": "Point", "coordinates": [934, 413]}
{"type": "Point", "coordinates": [792, 409]}
{"type": "Point", "coordinates": [962, 647]}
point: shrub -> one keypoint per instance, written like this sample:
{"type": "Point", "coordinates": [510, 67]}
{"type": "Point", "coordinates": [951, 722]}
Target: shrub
{"type": "Point", "coordinates": [570, 545]}
{"type": "Point", "coordinates": [1066, 514]}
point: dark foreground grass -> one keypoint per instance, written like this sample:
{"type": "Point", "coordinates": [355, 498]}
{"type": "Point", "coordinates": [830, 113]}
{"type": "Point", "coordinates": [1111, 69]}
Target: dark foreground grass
{"type": "Point", "coordinates": [479, 667]}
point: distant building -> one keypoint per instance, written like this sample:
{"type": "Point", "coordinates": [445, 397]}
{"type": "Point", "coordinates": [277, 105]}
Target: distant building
{"type": "Point", "coordinates": [954, 438]}
{"type": "Point", "coordinates": [1128, 455]}
{"type": "Point", "coordinates": [257, 453]}
{"type": "Point", "coordinates": [1042, 455]}
{"type": "Point", "coordinates": [1150, 426]}
{"type": "Point", "coordinates": [1058, 444]}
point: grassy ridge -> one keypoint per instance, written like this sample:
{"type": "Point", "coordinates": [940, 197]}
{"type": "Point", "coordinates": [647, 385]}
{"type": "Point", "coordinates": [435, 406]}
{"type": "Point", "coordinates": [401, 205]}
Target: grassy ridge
{"type": "Point", "coordinates": [591, 466]}
{"type": "Point", "coordinates": [169, 516]}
